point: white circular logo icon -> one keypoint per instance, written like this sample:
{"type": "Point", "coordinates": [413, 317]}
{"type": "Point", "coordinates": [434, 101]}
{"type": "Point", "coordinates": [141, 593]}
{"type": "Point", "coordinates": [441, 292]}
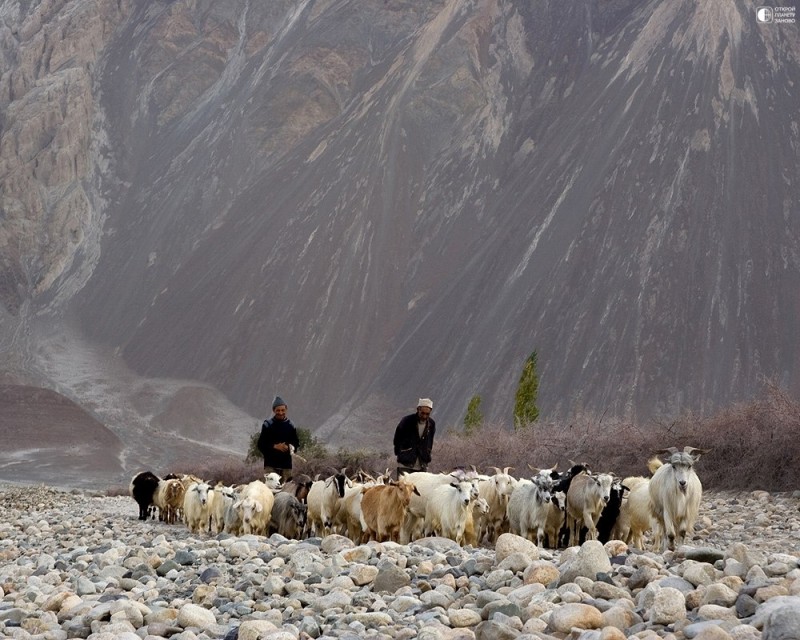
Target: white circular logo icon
{"type": "Point", "coordinates": [764, 14]}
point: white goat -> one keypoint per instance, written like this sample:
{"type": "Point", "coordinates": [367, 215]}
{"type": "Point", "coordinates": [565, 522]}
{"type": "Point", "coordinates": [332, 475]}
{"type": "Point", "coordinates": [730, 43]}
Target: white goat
{"type": "Point", "coordinates": [348, 516]}
{"type": "Point", "coordinates": [675, 494]}
{"type": "Point", "coordinates": [196, 506]}
{"type": "Point", "coordinates": [273, 481]}
{"type": "Point", "coordinates": [323, 502]}
{"type": "Point", "coordinates": [528, 507]}
{"type": "Point", "coordinates": [586, 498]}
{"type": "Point", "coordinates": [224, 497]}
{"type": "Point", "coordinates": [634, 516]}
{"type": "Point", "coordinates": [556, 514]}
{"type": "Point", "coordinates": [256, 508]}
{"type": "Point", "coordinates": [425, 483]}
{"type": "Point", "coordinates": [496, 490]}
{"type": "Point", "coordinates": [475, 515]}
{"type": "Point", "coordinates": [232, 515]}
{"type": "Point", "coordinates": [447, 508]}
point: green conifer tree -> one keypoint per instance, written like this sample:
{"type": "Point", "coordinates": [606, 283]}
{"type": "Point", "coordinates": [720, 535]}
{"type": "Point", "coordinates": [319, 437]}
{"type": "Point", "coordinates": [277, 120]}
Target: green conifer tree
{"type": "Point", "coordinates": [525, 410]}
{"type": "Point", "coordinates": [473, 418]}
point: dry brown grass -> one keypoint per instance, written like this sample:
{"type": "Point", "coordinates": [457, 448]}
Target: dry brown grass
{"type": "Point", "coordinates": [751, 446]}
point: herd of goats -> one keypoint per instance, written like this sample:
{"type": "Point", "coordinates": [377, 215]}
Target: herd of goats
{"type": "Point", "coordinates": [553, 509]}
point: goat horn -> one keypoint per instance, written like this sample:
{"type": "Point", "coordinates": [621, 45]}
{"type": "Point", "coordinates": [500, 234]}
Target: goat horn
{"type": "Point", "coordinates": [669, 450]}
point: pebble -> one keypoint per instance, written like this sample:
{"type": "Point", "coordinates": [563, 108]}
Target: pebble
{"type": "Point", "coordinates": [74, 564]}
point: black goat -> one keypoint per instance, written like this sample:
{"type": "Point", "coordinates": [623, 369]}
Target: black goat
{"type": "Point", "coordinates": [610, 513]}
{"type": "Point", "coordinates": [142, 488]}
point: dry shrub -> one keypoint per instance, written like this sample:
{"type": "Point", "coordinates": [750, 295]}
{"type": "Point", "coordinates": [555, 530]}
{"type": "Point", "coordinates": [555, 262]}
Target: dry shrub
{"type": "Point", "coordinates": [751, 446]}
{"type": "Point", "coordinates": [228, 470]}
{"type": "Point", "coordinates": [601, 445]}
{"type": "Point", "coordinates": [372, 462]}
{"type": "Point", "coordinates": [754, 445]}
{"type": "Point", "coordinates": [487, 447]}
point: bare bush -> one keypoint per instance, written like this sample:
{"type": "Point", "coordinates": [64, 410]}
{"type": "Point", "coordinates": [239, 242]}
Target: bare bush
{"type": "Point", "coordinates": [227, 470]}
{"type": "Point", "coordinates": [373, 462]}
{"type": "Point", "coordinates": [751, 446]}
{"type": "Point", "coordinates": [755, 445]}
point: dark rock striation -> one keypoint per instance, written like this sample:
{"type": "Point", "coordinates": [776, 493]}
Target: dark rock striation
{"type": "Point", "coordinates": [358, 203]}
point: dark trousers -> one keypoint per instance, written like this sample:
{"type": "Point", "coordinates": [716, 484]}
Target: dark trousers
{"type": "Point", "coordinates": [285, 474]}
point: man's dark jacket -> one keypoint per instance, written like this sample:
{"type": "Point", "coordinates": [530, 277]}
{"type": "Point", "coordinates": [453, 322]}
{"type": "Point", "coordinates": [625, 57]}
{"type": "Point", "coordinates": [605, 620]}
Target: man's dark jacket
{"type": "Point", "coordinates": [408, 446]}
{"type": "Point", "coordinates": [274, 431]}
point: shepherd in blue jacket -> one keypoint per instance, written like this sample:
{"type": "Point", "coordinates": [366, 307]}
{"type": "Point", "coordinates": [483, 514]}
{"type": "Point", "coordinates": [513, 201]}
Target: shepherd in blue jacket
{"type": "Point", "coordinates": [278, 434]}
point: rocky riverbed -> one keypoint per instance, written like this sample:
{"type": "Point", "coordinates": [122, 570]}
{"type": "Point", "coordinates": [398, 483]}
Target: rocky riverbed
{"type": "Point", "coordinates": [79, 565]}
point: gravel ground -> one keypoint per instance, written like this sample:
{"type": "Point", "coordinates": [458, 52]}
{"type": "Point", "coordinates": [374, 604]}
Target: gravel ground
{"type": "Point", "coordinates": [76, 564]}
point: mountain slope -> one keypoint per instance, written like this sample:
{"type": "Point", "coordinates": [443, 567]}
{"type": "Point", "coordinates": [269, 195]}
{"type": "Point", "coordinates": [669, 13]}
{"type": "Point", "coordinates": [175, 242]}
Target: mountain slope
{"type": "Point", "coordinates": [354, 204]}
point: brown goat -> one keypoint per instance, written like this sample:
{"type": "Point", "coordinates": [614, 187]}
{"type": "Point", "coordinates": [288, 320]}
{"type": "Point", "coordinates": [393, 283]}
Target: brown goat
{"type": "Point", "coordinates": [169, 500]}
{"type": "Point", "coordinates": [383, 509]}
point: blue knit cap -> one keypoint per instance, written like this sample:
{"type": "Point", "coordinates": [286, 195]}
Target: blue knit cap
{"type": "Point", "coordinates": [277, 402]}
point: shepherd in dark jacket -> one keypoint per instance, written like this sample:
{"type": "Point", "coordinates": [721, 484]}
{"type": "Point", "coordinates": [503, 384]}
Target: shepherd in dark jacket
{"type": "Point", "coordinates": [278, 434]}
{"type": "Point", "coordinates": [413, 439]}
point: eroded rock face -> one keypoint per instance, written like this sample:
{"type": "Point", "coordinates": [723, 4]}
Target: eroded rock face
{"type": "Point", "coordinates": [48, 100]}
{"type": "Point", "coordinates": [347, 190]}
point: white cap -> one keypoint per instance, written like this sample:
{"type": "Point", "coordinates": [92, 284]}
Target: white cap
{"type": "Point", "coordinates": [425, 402]}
